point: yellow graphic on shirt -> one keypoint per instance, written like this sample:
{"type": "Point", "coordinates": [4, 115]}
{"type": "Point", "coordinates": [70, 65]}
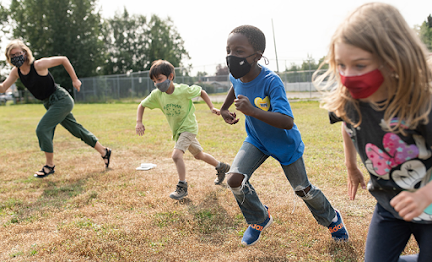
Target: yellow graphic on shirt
{"type": "Point", "coordinates": [264, 104]}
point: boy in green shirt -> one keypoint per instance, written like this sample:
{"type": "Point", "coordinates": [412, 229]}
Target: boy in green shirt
{"type": "Point", "coordinates": [175, 101]}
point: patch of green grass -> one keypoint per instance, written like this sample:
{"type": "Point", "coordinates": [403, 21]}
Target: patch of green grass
{"type": "Point", "coordinates": [16, 254]}
{"type": "Point", "coordinates": [165, 219]}
{"type": "Point", "coordinates": [10, 204]}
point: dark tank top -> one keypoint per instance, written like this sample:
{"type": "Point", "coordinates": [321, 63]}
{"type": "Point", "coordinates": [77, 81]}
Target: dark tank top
{"type": "Point", "coordinates": [41, 87]}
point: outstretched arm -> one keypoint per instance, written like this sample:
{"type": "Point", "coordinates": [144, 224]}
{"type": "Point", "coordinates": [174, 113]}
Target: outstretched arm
{"type": "Point", "coordinates": [355, 176]}
{"type": "Point", "coordinates": [410, 205]}
{"type": "Point", "coordinates": [275, 119]}
{"type": "Point", "coordinates": [139, 128]}
{"type": "Point", "coordinates": [208, 101]}
{"type": "Point", "coordinates": [13, 76]}
{"type": "Point", "coordinates": [42, 65]}
{"type": "Point", "coordinates": [229, 117]}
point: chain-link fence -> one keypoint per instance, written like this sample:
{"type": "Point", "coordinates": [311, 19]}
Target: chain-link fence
{"type": "Point", "coordinates": [139, 85]}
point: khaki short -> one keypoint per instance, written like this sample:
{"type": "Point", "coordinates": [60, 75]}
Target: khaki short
{"type": "Point", "coordinates": [188, 141]}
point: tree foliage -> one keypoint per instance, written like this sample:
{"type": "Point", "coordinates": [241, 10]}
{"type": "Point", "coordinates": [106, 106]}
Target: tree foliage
{"type": "Point", "coordinates": [425, 32]}
{"type": "Point", "coordinates": [165, 42]}
{"type": "Point", "coordinates": [222, 70]}
{"type": "Point", "coordinates": [60, 27]}
{"type": "Point", "coordinates": [308, 64]}
{"type": "Point", "coordinates": [126, 43]}
{"type": "Point", "coordinates": [3, 20]}
{"type": "Point", "coordinates": [133, 42]}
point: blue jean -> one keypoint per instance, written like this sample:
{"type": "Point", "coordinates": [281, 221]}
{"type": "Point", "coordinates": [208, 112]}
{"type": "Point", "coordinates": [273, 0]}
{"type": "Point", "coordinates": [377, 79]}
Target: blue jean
{"type": "Point", "coordinates": [388, 236]}
{"type": "Point", "coordinates": [248, 159]}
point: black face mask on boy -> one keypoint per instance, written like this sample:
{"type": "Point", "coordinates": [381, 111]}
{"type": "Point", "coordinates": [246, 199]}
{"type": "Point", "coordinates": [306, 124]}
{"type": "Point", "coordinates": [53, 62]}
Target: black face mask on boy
{"type": "Point", "coordinates": [238, 66]}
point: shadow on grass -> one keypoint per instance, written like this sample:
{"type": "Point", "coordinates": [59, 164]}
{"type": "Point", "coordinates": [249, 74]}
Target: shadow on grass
{"type": "Point", "coordinates": [345, 251]}
{"type": "Point", "coordinates": [54, 197]}
{"type": "Point", "coordinates": [268, 258]}
{"type": "Point", "coordinates": [208, 220]}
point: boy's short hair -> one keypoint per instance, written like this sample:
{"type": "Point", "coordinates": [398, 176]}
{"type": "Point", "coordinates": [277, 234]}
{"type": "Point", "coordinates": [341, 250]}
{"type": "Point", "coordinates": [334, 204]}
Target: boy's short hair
{"type": "Point", "coordinates": [161, 67]}
{"type": "Point", "coordinates": [254, 35]}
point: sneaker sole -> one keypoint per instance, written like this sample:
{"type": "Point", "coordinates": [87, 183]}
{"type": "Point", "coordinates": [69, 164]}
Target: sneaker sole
{"type": "Point", "coordinates": [178, 198]}
{"type": "Point", "coordinates": [218, 183]}
{"type": "Point", "coordinates": [266, 226]}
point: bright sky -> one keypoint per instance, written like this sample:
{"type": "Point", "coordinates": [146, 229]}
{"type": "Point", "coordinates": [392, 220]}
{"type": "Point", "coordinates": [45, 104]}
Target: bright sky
{"type": "Point", "coordinates": [301, 27]}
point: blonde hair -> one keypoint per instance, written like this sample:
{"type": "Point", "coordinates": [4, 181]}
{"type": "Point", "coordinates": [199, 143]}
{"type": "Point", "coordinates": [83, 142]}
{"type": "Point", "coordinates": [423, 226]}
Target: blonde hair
{"type": "Point", "coordinates": [381, 30]}
{"type": "Point", "coordinates": [18, 44]}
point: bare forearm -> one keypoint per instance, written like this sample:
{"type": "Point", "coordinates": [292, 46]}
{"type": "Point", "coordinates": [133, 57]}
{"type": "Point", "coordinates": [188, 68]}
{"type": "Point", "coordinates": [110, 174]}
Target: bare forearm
{"type": "Point", "coordinates": [229, 100]}
{"type": "Point", "coordinates": [69, 68]}
{"type": "Point", "coordinates": [349, 149]}
{"type": "Point", "coordinates": [274, 119]}
{"type": "Point", "coordinates": [12, 77]}
{"type": "Point", "coordinates": [140, 113]}
{"type": "Point", "coordinates": [426, 192]}
{"type": "Point", "coordinates": [207, 99]}
{"type": "Point", "coordinates": [2, 88]}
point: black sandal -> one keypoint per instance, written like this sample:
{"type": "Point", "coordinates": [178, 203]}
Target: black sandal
{"type": "Point", "coordinates": [50, 171]}
{"type": "Point", "coordinates": [107, 156]}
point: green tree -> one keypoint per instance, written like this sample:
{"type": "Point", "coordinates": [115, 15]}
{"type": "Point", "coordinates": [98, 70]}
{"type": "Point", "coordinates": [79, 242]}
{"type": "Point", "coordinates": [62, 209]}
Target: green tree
{"type": "Point", "coordinates": [134, 42]}
{"type": "Point", "coordinates": [309, 64]}
{"type": "Point", "coordinates": [293, 67]}
{"type": "Point", "coordinates": [61, 27]}
{"type": "Point", "coordinates": [222, 70]}
{"type": "Point", "coordinates": [126, 41]}
{"type": "Point", "coordinates": [4, 13]}
{"type": "Point", "coordinates": [425, 32]}
{"type": "Point", "coordinates": [320, 61]}
{"type": "Point", "coordinates": [165, 42]}
{"type": "Point", "coordinates": [3, 21]}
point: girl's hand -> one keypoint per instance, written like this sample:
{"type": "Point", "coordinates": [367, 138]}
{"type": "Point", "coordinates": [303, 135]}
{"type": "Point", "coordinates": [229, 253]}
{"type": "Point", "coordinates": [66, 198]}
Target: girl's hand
{"type": "Point", "coordinates": [243, 105]}
{"type": "Point", "coordinates": [229, 117]}
{"type": "Point", "coordinates": [77, 84]}
{"type": "Point", "coordinates": [355, 177]}
{"type": "Point", "coordinates": [140, 129]}
{"type": "Point", "coordinates": [409, 205]}
{"type": "Point", "coordinates": [215, 111]}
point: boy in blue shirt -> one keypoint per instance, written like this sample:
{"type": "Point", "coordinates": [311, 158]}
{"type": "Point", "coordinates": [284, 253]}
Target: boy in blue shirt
{"type": "Point", "coordinates": [260, 95]}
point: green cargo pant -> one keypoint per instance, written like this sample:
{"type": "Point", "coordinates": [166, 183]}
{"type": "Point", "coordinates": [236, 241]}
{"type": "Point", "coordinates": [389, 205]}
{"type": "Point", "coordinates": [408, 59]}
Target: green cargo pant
{"type": "Point", "coordinates": [59, 106]}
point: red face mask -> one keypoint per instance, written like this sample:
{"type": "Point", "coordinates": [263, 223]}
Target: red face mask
{"type": "Point", "coordinates": [363, 86]}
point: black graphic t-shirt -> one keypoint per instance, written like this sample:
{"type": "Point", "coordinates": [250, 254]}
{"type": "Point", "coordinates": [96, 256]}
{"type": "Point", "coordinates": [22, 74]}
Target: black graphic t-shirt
{"type": "Point", "coordinates": [395, 162]}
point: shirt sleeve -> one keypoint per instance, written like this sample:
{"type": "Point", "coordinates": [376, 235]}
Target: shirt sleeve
{"type": "Point", "coordinates": [278, 100]}
{"type": "Point", "coordinates": [426, 131]}
{"type": "Point", "coordinates": [333, 118]}
{"type": "Point", "coordinates": [193, 91]}
{"type": "Point", "coordinates": [151, 100]}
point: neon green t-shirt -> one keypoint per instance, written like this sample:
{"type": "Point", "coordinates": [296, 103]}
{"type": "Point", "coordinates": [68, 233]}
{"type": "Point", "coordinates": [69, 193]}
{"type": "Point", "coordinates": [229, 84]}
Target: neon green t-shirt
{"type": "Point", "coordinates": [177, 107]}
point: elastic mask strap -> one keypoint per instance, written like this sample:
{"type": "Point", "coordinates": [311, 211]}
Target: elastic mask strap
{"type": "Point", "coordinates": [266, 61]}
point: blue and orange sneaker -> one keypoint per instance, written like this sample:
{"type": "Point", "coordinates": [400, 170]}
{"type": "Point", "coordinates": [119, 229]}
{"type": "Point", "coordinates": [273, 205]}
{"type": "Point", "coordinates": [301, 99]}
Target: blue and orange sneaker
{"type": "Point", "coordinates": [253, 232]}
{"type": "Point", "coordinates": [338, 230]}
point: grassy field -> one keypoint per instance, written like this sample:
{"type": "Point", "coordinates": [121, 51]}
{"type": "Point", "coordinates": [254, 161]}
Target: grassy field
{"type": "Point", "coordinates": [86, 213]}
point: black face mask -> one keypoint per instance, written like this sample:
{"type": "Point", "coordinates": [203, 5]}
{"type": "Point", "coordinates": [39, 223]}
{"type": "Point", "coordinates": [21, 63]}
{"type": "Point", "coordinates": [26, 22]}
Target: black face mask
{"type": "Point", "coordinates": [18, 61]}
{"type": "Point", "coordinates": [238, 66]}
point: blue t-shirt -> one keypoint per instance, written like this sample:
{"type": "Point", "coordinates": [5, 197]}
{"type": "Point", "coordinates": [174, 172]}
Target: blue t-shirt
{"type": "Point", "coordinates": [267, 92]}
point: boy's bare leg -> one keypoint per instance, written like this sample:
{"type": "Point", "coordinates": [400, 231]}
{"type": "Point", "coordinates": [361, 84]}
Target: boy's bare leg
{"type": "Point", "coordinates": [177, 157]}
{"type": "Point", "coordinates": [209, 159]}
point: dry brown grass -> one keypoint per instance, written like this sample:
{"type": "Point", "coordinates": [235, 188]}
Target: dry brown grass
{"type": "Point", "coordinates": [84, 213]}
